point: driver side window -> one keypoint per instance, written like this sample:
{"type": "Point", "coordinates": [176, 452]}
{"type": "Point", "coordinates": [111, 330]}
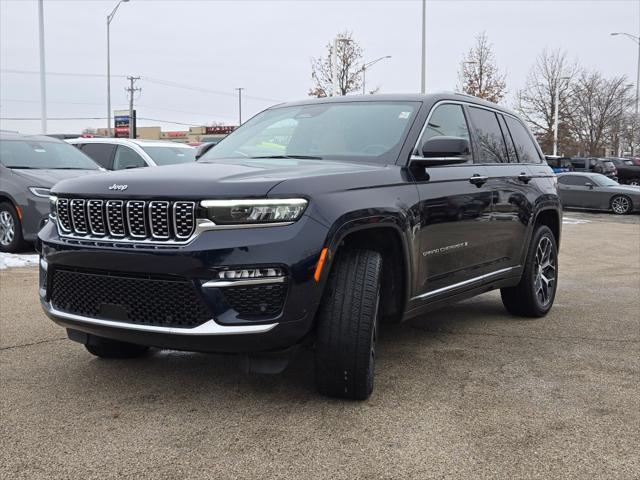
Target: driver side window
{"type": "Point", "coordinates": [447, 120]}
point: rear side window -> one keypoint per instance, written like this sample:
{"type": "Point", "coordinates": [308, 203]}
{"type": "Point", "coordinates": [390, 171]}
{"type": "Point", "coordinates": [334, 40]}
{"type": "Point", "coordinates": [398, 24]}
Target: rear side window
{"type": "Point", "coordinates": [489, 136]}
{"type": "Point", "coordinates": [101, 153]}
{"type": "Point", "coordinates": [127, 158]}
{"type": "Point", "coordinates": [525, 148]}
{"type": "Point", "coordinates": [447, 120]}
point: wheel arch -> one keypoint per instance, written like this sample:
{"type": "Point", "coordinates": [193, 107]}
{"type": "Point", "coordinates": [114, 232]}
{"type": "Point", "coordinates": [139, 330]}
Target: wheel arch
{"type": "Point", "coordinates": [387, 238]}
{"type": "Point", "coordinates": [552, 218]}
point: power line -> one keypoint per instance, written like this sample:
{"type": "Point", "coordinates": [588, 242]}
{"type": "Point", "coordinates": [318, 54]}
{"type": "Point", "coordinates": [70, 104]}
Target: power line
{"type": "Point", "coordinates": [53, 118]}
{"type": "Point", "coordinates": [157, 81]}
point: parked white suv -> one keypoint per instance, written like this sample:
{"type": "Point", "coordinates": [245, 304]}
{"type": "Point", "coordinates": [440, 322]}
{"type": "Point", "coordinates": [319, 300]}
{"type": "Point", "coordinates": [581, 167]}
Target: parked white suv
{"type": "Point", "coordinates": [122, 153]}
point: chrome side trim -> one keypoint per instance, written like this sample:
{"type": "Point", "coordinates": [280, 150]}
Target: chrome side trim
{"type": "Point", "coordinates": [243, 281]}
{"type": "Point", "coordinates": [208, 328]}
{"type": "Point", "coordinates": [478, 279]}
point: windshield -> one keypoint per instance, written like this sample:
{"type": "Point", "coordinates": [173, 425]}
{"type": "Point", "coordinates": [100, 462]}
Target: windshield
{"type": "Point", "coordinates": [171, 155]}
{"type": "Point", "coordinates": [41, 154]}
{"type": "Point", "coordinates": [362, 131]}
{"type": "Point", "coordinates": [604, 181]}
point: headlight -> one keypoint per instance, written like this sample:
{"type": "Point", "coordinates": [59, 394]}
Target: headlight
{"type": "Point", "coordinates": [40, 191]}
{"type": "Point", "coordinates": [53, 204]}
{"type": "Point", "coordinates": [235, 212]}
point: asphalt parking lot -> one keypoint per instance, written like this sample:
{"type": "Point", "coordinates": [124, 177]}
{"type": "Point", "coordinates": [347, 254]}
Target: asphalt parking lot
{"type": "Point", "coordinates": [468, 392]}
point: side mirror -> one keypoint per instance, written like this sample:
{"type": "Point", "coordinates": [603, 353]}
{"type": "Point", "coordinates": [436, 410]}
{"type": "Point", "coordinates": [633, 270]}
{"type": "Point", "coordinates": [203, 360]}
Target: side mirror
{"type": "Point", "coordinates": [443, 150]}
{"type": "Point", "coordinates": [588, 184]}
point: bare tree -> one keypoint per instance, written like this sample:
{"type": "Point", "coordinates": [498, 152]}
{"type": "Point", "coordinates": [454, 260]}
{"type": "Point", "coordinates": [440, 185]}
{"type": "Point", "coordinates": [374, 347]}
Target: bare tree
{"type": "Point", "coordinates": [536, 102]}
{"type": "Point", "coordinates": [599, 106]}
{"type": "Point", "coordinates": [479, 74]}
{"type": "Point", "coordinates": [349, 68]}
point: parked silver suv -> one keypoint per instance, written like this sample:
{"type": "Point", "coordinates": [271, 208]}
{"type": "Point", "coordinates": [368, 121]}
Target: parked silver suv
{"type": "Point", "coordinates": [29, 167]}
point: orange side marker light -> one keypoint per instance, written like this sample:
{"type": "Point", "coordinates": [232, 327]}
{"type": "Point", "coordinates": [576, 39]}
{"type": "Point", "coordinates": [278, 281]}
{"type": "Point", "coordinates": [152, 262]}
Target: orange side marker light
{"type": "Point", "coordinates": [320, 264]}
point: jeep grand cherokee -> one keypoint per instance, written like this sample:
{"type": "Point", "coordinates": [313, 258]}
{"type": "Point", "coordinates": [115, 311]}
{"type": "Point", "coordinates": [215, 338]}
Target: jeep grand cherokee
{"type": "Point", "coordinates": [310, 224]}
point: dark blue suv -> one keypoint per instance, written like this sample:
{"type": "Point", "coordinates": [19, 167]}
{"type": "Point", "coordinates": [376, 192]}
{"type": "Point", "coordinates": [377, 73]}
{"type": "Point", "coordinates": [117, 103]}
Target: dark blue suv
{"type": "Point", "coordinates": [310, 224]}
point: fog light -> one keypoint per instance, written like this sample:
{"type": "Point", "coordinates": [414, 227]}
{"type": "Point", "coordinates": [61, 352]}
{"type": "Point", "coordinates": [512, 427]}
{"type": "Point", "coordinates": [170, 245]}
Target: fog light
{"type": "Point", "coordinates": [251, 273]}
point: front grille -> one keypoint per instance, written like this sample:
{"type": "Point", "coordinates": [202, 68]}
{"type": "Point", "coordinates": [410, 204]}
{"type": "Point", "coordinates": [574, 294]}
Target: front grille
{"type": "Point", "coordinates": [134, 220]}
{"type": "Point", "coordinates": [144, 301]}
{"type": "Point", "coordinates": [256, 299]}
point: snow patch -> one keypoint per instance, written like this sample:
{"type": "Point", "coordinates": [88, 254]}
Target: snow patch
{"type": "Point", "coordinates": [12, 260]}
{"type": "Point", "coordinates": [573, 221]}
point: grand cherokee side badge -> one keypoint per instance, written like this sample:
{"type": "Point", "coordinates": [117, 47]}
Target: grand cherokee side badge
{"type": "Point", "coordinates": [115, 186]}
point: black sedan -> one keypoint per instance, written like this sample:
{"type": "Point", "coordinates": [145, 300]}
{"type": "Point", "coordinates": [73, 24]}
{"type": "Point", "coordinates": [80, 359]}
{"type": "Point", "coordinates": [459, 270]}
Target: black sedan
{"type": "Point", "coordinates": [596, 192]}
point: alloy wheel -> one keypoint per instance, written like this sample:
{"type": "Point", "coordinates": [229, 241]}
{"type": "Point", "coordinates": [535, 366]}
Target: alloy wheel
{"type": "Point", "coordinates": [620, 205]}
{"type": "Point", "coordinates": [544, 271]}
{"type": "Point", "coordinates": [7, 228]}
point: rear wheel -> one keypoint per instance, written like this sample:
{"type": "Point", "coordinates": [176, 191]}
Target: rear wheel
{"type": "Point", "coordinates": [621, 204]}
{"type": "Point", "coordinates": [108, 348]}
{"type": "Point", "coordinates": [10, 229]}
{"type": "Point", "coordinates": [534, 295]}
{"type": "Point", "coordinates": [347, 326]}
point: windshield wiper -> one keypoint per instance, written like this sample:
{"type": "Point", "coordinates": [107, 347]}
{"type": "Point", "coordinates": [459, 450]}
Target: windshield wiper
{"type": "Point", "coordinates": [301, 157]}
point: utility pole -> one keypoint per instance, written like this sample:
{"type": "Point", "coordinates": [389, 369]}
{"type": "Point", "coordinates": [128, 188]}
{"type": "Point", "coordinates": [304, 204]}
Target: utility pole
{"type": "Point", "coordinates": [43, 82]}
{"type": "Point", "coordinates": [109, 19]}
{"type": "Point", "coordinates": [423, 78]}
{"type": "Point", "coordinates": [239, 89]}
{"type": "Point", "coordinates": [132, 89]}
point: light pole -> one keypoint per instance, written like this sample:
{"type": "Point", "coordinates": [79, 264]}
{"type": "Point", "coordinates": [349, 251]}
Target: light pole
{"type": "Point", "coordinates": [43, 83]}
{"type": "Point", "coordinates": [239, 89]}
{"type": "Point", "coordinates": [364, 70]}
{"type": "Point", "coordinates": [635, 118]}
{"type": "Point", "coordinates": [109, 18]}
{"type": "Point", "coordinates": [334, 70]}
{"type": "Point", "coordinates": [423, 77]}
{"type": "Point", "coordinates": [556, 114]}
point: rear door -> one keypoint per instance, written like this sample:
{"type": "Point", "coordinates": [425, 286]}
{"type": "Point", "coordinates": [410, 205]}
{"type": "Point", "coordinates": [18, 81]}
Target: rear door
{"type": "Point", "coordinates": [454, 209]}
{"type": "Point", "coordinates": [509, 184]}
{"type": "Point", "coordinates": [101, 153]}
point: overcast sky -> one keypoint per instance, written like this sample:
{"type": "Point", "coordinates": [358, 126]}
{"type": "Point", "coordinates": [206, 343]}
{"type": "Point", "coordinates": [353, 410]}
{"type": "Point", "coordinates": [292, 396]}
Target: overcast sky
{"type": "Point", "coordinates": [266, 46]}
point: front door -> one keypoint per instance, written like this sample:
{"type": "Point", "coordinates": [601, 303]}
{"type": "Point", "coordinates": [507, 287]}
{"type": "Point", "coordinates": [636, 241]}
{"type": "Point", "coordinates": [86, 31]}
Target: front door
{"type": "Point", "coordinates": [455, 209]}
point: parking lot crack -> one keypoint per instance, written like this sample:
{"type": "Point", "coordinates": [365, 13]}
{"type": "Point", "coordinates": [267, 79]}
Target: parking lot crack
{"type": "Point", "coordinates": [11, 347]}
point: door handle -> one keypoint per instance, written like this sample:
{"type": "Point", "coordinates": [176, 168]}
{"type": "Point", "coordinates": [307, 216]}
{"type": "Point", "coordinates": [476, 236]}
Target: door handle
{"type": "Point", "coordinates": [478, 180]}
{"type": "Point", "coordinates": [524, 178]}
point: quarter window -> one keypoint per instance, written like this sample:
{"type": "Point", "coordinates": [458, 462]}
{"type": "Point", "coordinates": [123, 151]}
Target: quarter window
{"type": "Point", "coordinates": [447, 120]}
{"type": "Point", "coordinates": [526, 149]}
{"type": "Point", "coordinates": [489, 136]}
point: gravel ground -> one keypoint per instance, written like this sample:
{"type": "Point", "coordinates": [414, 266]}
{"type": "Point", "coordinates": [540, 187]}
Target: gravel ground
{"type": "Point", "coordinates": [468, 392]}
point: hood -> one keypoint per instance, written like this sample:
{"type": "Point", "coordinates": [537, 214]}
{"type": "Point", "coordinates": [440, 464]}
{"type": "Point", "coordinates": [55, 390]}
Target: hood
{"type": "Point", "coordinates": [49, 177]}
{"type": "Point", "coordinates": [242, 178]}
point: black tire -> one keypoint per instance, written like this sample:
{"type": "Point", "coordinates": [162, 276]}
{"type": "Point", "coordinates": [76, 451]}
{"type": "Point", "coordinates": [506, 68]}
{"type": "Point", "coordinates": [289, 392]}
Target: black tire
{"type": "Point", "coordinates": [347, 326]}
{"type": "Point", "coordinates": [528, 299]}
{"type": "Point", "coordinates": [9, 220]}
{"type": "Point", "coordinates": [621, 204]}
{"type": "Point", "coordinates": [108, 348]}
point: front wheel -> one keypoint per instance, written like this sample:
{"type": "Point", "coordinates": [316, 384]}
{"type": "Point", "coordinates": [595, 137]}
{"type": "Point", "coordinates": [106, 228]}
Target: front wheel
{"type": "Point", "coordinates": [621, 204]}
{"type": "Point", "coordinates": [534, 295]}
{"type": "Point", "coordinates": [347, 326]}
{"type": "Point", "coordinates": [10, 229]}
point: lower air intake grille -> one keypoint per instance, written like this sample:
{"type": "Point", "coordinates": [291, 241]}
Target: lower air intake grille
{"type": "Point", "coordinates": [143, 301]}
{"type": "Point", "coordinates": [256, 299]}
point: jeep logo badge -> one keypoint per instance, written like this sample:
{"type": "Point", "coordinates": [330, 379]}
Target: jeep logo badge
{"type": "Point", "coordinates": [115, 186]}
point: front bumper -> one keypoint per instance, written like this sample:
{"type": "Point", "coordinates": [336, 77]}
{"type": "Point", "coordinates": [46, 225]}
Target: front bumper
{"type": "Point", "coordinates": [294, 248]}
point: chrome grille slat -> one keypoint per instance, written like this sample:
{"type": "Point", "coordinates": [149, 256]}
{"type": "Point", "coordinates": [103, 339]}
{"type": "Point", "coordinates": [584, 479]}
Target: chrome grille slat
{"type": "Point", "coordinates": [62, 212]}
{"type": "Point", "coordinates": [134, 221]}
{"type": "Point", "coordinates": [159, 219]}
{"type": "Point", "coordinates": [115, 218]}
{"type": "Point", "coordinates": [78, 215]}
{"type": "Point", "coordinates": [184, 219]}
{"type": "Point", "coordinates": [95, 214]}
